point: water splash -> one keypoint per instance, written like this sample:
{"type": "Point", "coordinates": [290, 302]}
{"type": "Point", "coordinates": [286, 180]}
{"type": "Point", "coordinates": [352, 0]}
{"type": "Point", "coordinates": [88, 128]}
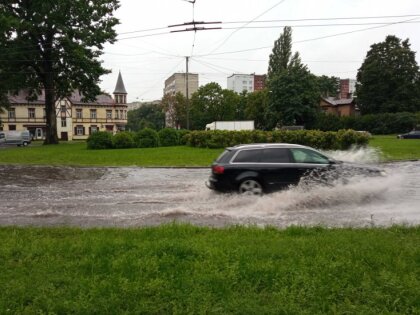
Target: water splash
{"type": "Point", "coordinates": [357, 155]}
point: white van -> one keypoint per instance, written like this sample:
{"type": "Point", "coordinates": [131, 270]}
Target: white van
{"type": "Point", "coordinates": [15, 137]}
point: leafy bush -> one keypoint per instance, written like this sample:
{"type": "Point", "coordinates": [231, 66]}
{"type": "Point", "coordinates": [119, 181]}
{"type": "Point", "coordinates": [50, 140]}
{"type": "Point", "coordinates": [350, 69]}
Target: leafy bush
{"type": "Point", "coordinates": [168, 137]}
{"type": "Point", "coordinates": [182, 135]}
{"type": "Point", "coordinates": [342, 139]}
{"type": "Point", "coordinates": [100, 140]}
{"type": "Point", "coordinates": [146, 138]}
{"type": "Point", "coordinates": [123, 140]}
{"type": "Point", "coordinates": [386, 123]}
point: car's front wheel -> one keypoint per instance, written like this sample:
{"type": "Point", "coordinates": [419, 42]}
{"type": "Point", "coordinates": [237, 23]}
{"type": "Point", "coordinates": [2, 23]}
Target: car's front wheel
{"type": "Point", "coordinates": [250, 187]}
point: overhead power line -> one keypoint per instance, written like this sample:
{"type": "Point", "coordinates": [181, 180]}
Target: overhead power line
{"type": "Point", "coordinates": [310, 39]}
{"type": "Point", "coordinates": [327, 19]}
{"type": "Point", "coordinates": [227, 38]}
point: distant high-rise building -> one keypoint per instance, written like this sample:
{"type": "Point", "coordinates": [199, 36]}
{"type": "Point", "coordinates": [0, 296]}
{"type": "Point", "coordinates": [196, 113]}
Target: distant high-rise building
{"type": "Point", "coordinates": [347, 88]}
{"type": "Point", "coordinates": [246, 82]}
{"type": "Point", "coordinates": [178, 83]}
{"type": "Point", "coordinates": [259, 82]}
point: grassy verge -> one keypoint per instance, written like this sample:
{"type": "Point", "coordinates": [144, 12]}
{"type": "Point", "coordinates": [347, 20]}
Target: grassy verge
{"type": "Point", "coordinates": [184, 269]}
{"type": "Point", "coordinates": [397, 149]}
{"type": "Point", "coordinates": [75, 153]}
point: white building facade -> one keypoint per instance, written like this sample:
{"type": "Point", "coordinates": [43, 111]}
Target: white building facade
{"type": "Point", "coordinates": [240, 83]}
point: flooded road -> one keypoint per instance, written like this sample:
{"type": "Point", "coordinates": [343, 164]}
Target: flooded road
{"type": "Point", "coordinates": [125, 197]}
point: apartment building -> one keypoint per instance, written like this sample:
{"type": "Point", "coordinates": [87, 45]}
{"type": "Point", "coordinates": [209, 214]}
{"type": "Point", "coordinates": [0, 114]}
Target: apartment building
{"type": "Point", "coordinates": [76, 119]}
{"type": "Point", "coordinates": [178, 83]}
{"type": "Point", "coordinates": [246, 82]}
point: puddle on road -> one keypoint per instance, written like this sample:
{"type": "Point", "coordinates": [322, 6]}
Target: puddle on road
{"type": "Point", "coordinates": [50, 196]}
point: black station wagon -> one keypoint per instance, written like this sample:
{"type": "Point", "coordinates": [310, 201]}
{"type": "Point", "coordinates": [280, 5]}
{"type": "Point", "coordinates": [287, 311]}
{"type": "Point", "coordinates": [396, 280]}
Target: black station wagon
{"type": "Point", "coordinates": [258, 168]}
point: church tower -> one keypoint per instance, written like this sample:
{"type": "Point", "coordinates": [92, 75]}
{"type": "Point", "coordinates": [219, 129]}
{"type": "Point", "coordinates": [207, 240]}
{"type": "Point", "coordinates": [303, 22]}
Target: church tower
{"type": "Point", "coordinates": [120, 94]}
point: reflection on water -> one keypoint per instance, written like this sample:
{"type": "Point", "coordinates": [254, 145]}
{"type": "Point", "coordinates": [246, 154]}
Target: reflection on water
{"type": "Point", "coordinates": [35, 195]}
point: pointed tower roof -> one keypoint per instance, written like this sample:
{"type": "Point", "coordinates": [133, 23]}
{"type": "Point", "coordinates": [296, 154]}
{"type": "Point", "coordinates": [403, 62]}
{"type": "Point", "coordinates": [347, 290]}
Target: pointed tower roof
{"type": "Point", "coordinates": [120, 88]}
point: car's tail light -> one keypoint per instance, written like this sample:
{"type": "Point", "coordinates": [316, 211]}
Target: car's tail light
{"type": "Point", "coordinates": [217, 169]}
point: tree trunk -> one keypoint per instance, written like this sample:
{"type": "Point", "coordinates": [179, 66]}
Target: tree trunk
{"type": "Point", "coordinates": [50, 98]}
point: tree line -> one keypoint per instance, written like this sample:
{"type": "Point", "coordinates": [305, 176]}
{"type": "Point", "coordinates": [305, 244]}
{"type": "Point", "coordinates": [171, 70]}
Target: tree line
{"type": "Point", "coordinates": [388, 81]}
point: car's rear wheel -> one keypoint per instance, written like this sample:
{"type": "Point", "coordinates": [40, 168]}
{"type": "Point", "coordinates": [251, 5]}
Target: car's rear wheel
{"type": "Point", "coordinates": [250, 187]}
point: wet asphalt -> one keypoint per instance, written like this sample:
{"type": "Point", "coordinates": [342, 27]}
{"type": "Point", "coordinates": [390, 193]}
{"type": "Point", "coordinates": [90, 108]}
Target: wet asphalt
{"type": "Point", "coordinates": [130, 197]}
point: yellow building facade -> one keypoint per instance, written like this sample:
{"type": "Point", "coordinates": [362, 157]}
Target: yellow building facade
{"type": "Point", "coordinates": [76, 119]}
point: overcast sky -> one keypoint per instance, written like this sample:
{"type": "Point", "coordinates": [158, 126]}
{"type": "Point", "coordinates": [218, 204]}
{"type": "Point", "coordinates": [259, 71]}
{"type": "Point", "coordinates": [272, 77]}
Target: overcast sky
{"type": "Point", "coordinates": [146, 59]}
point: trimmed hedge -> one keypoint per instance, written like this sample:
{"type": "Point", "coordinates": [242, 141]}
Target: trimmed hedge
{"type": "Point", "coordinates": [341, 140]}
{"type": "Point", "coordinates": [168, 137]}
{"type": "Point", "coordinates": [100, 140]}
{"type": "Point", "coordinates": [387, 123]}
{"type": "Point", "coordinates": [147, 138]}
{"type": "Point", "coordinates": [123, 140]}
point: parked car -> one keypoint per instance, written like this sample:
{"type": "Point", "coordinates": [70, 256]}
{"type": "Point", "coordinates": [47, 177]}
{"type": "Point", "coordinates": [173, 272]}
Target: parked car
{"type": "Point", "coordinates": [19, 138]}
{"type": "Point", "coordinates": [415, 134]}
{"type": "Point", "coordinates": [260, 168]}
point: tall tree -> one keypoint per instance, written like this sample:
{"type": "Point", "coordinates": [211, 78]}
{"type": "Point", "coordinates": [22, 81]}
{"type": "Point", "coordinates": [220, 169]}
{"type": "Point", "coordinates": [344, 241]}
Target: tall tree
{"type": "Point", "coordinates": [328, 86]}
{"type": "Point", "coordinates": [147, 116]}
{"type": "Point", "coordinates": [175, 107]}
{"type": "Point", "coordinates": [256, 107]}
{"type": "Point", "coordinates": [212, 103]}
{"type": "Point", "coordinates": [389, 78]}
{"type": "Point", "coordinates": [281, 57]}
{"type": "Point", "coordinates": [293, 98]}
{"type": "Point", "coordinates": [55, 46]}
{"type": "Point", "coordinates": [293, 90]}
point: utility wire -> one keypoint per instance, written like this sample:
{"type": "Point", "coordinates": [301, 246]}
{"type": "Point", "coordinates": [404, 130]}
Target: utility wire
{"type": "Point", "coordinates": [160, 79]}
{"type": "Point", "coordinates": [328, 19]}
{"type": "Point", "coordinates": [315, 25]}
{"type": "Point", "coordinates": [310, 39]}
{"type": "Point", "coordinates": [231, 34]}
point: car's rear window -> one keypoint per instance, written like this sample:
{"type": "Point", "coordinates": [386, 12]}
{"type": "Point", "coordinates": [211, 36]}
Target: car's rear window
{"type": "Point", "coordinates": [276, 155]}
{"type": "Point", "coordinates": [224, 157]}
{"type": "Point", "coordinates": [248, 156]}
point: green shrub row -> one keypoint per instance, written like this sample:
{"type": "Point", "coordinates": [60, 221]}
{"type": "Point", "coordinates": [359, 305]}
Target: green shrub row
{"type": "Point", "coordinates": [145, 138]}
{"type": "Point", "coordinates": [329, 140]}
{"type": "Point", "coordinates": [388, 123]}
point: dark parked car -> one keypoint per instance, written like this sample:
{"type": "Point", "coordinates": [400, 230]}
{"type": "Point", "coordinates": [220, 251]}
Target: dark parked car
{"type": "Point", "coordinates": [260, 168]}
{"type": "Point", "coordinates": [415, 134]}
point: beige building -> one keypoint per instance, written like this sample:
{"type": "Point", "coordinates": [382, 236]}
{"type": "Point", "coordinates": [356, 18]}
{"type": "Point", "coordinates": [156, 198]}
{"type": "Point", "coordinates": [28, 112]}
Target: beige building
{"type": "Point", "coordinates": [75, 119]}
{"type": "Point", "coordinates": [178, 83]}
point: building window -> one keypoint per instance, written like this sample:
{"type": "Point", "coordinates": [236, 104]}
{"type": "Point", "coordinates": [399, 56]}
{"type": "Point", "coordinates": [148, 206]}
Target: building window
{"type": "Point", "coordinates": [93, 129]}
{"type": "Point", "coordinates": [63, 111]}
{"type": "Point", "coordinates": [63, 123]}
{"type": "Point", "coordinates": [12, 113]}
{"type": "Point", "coordinates": [109, 114]}
{"type": "Point", "coordinates": [116, 114]}
{"type": "Point", "coordinates": [31, 112]}
{"type": "Point", "coordinates": [79, 130]}
{"type": "Point", "coordinates": [45, 113]}
{"type": "Point", "coordinates": [121, 114]}
{"type": "Point", "coordinates": [79, 113]}
{"type": "Point", "coordinates": [93, 114]}
{"type": "Point", "coordinates": [12, 127]}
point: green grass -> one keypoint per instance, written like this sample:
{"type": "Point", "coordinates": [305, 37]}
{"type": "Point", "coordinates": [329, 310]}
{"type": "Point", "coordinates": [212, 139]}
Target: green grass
{"type": "Point", "coordinates": [397, 149]}
{"type": "Point", "coordinates": [181, 269]}
{"type": "Point", "coordinates": [75, 153]}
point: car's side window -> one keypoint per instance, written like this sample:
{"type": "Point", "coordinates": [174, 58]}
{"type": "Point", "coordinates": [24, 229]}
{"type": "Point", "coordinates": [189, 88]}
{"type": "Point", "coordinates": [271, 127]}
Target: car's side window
{"type": "Point", "coordinates": [308, 156]}
{"type": "Point", "coordinates": [276, 155]}
{"type": "Point", "coordinates": [248, 156]}
{"type": "Point", "coordinates": [1, 135]}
